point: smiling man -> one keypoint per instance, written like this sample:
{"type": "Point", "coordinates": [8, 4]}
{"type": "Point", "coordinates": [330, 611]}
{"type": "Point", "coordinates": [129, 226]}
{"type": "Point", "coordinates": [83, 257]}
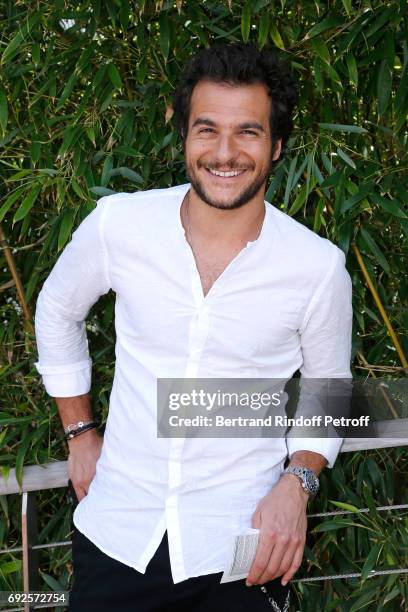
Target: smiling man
{"type": "Point", "coordinates": [211, 281]}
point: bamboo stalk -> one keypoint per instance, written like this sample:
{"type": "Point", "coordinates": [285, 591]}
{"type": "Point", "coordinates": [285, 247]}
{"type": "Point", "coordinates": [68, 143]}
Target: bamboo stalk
{"type": "Point", "coordinates": [16, 277]}
{"type": "Point", "coordinates": [380, 306]}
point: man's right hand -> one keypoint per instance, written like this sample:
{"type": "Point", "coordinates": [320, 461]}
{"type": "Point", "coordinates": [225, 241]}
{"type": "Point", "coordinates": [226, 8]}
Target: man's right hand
{"type": "Point", "coordinates": [84, 452]}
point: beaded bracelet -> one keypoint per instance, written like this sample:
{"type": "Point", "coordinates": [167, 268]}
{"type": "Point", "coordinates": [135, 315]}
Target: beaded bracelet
{"type": "Point", "coordinates": [81, 429]}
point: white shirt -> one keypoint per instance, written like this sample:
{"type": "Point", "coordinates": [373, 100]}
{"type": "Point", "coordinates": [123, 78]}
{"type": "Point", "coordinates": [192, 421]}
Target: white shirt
{"type": "Point", "coordinates": [283, 304]}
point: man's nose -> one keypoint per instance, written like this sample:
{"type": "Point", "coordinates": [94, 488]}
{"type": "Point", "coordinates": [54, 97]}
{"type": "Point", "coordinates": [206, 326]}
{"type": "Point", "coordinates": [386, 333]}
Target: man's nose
{"type": "Point", "coordinates": [226, 149]}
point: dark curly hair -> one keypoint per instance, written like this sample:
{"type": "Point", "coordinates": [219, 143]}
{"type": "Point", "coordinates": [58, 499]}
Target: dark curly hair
{"type": "Point", "coordinates": [235, 64]}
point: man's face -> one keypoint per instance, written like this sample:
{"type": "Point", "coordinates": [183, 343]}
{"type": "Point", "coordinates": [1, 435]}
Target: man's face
{"type": "Point", "coordinates": [228, 145]}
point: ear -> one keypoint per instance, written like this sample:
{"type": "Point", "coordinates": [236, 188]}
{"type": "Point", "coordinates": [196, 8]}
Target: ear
{"type": "Point", "coordinates": [277, 149]}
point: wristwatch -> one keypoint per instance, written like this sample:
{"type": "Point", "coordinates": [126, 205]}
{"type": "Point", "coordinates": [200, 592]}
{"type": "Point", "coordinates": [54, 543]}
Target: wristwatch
{"type": "Point", "coordinates": [309, 479]}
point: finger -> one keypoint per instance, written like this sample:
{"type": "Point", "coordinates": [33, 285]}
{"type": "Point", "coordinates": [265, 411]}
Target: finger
{"type": "Point", "coordinates": [285, 562]}
{"type": "Point", "coordinates": [275, 561]}
{"type": "Point", "coordinates": [263, 553]}
{"type": "Point", "coordinates": [297, 560]}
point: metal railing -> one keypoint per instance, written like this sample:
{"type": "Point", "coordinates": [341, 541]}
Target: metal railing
{"type": "Point", "coordinates": [55, 475]}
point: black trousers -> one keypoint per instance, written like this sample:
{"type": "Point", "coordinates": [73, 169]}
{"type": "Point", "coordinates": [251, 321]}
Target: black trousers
{"type": "Point", "coordinates": [102, 584]}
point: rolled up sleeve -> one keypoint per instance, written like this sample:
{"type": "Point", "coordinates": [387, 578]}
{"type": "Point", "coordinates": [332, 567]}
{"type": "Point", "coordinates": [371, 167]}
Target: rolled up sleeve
{"type": "Point", "coordinates": [326, 334]}
{"type": "Point", "coordinates": [79, 277]}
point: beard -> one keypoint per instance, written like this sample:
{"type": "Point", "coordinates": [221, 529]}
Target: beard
{"type": "Point", "coordinates": [245, 195]}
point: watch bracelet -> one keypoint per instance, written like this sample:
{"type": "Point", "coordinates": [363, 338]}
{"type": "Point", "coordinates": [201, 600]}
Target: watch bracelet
{"type": "Point", "coordinates": [300, 472]}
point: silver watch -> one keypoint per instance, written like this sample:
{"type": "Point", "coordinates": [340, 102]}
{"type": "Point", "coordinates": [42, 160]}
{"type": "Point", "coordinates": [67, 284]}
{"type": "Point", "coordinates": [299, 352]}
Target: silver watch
{"type": "Point", "coordinates": [309, 479]}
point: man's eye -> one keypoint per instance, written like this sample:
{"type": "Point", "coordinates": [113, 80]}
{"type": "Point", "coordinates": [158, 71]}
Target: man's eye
{"type": "Point", "coordinates": [251, 132]}
{"type": "Point", "coordinates": [205, 130]}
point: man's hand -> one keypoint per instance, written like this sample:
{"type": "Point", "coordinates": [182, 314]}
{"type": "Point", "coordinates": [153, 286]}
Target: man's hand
{"type": "Point", "coordinates": [281, 518]}
{"type": "Point", "coordinates": [84, 452]}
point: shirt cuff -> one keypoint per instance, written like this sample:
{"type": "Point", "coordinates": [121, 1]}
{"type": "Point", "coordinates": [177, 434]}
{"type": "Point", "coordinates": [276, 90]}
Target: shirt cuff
{"type": "Point", "coordinates": [66, 380]}
{"type": "Point", "coordinates": [328, 447]}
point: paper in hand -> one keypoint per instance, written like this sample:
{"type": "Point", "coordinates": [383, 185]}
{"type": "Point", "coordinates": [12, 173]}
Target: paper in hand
{"type": "Point", "coordinates": [242, 554]}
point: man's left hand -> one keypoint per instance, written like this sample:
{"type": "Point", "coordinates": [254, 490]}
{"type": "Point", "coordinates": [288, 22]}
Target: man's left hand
{"type": "Point", "coordinates": [281, 518]}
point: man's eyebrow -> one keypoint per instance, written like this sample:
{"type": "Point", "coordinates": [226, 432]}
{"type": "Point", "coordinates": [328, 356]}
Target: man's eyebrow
{"type": "Point", "coordinates": [203, 121]}
{"type": "Point", "coordinates": [251, 125]}
{"type": "Point", "coordinates": [242, 126]}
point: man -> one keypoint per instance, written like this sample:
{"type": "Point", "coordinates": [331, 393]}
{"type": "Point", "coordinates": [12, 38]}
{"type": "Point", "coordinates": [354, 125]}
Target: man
{"type": "Point", "coordinates": [210, 282]}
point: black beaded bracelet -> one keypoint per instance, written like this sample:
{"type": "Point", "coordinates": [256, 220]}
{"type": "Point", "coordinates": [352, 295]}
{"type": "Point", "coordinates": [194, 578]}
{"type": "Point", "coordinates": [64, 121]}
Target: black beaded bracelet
{"type": "Point", "coordinates": [80, 430]}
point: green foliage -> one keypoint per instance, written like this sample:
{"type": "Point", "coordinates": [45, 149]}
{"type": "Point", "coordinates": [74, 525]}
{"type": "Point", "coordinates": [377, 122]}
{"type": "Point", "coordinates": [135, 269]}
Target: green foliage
{"type": "Point", "coordinates": [85, 107]}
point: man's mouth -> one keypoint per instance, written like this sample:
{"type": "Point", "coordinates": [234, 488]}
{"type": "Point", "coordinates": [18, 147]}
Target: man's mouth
{"type": "Point", "coordinates": [226, 174]}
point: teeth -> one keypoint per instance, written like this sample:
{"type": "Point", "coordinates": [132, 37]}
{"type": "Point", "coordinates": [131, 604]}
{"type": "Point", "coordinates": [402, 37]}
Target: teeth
{"type": "Point", "coordinates": [226, 174]}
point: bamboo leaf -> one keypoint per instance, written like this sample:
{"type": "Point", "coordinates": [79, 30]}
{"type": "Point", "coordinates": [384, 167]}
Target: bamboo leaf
{"type": "Point", "coordinates": [318, 218]}
{"type": "Point", "coordinates": [3, 110]}
{"type": "Point", "coordinates": [128, 174]}
{"type": "Point", "coordinates": [391, 595]}
{"type": "Point", "coordinates": [164, 28]}
{"type": "Point", "coordinates": [333, 74]}
{"type": "Point", "coordinates": [371, 560]}
{"type": "Point", "coordinates": [345, 158]}
{"type": "Point", "coordinates": [384, 87]}
{"type": "Point", "coordinates": [276, 37]}
{"type": "Point", "coordinates": [10, 567]}
{"type": "Point", "coordinates": [66, 92]}
{"type": "Point", "coordinates": [54, 584]}
{"type": "Point", "coordinates": [326, 24]}
{"type": "Point", "coordinates": [401, 95]}
{"type": "Point", "coordinates": [128, 151]}
{"type": "Point", "coordinates": [66, 227]}
{"type": "Point", "coordinates": [352, 68]}
{"type": "Point", "coordinates": [345, 506]}
{"type": "Point", "coordinates": [27, 204]}
{"type": "Point", "coordinates": [340, 127]}
{"type": "Point", "coordinates": [390, 206]}
{"type": "Point", "coordinates": [376, 251]}
{"type": "Point", "coordinates": [318, 73]}
{"type": "Point", "coordinates": [101, 191]}
{"type": "Point", "coordinates": [332, 525]}
{"type": "Point", "coordinates": [302, 196]}
{"type": "Point", "coordinates": [8, 203]}
{"type": "Point", "coordinates": [246, 22]}
{"type": "Point", "coordinates": [362, 602]}
{"type": "Point", "coordinates": [114, 76]}
{"type": "Point", "coordinates": [289, 182]}
{"type": "Point", "coordinates": [21, 453]}
{"type": "Point", "coordinates": [321, 49]}
{"type": "Point", "coordinates": [347, 6]}
{"type": "Point", "coordinates": [275, 183]}
{"type": "Point", "coordinates": [124, 14]}
{"type": "Point", "coordinates": [339, 183]}
{"type": "Point", "coordinates": [263, 30]}
{"type": "Point", "coordinates": [21, 174]}
{"type": "Point", "coordinates": [361, 193]}
{"type": "Point", "coordinates": [379, 22]}
{"type": "Point", "coordinates": [13, 46]}
{"type": "Point", "coordinates": [107, 170]}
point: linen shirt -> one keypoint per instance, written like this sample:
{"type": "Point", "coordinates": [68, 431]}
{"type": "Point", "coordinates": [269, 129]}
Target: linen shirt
{"type": "Point", "coordinates": [282, 304]}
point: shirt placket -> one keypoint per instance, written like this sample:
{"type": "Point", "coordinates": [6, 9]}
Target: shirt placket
{"type": "Point", "coordinates": [198, 332]}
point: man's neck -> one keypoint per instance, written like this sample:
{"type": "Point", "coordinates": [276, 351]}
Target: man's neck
{"type": "Point", "coordinates": [213, 225]}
